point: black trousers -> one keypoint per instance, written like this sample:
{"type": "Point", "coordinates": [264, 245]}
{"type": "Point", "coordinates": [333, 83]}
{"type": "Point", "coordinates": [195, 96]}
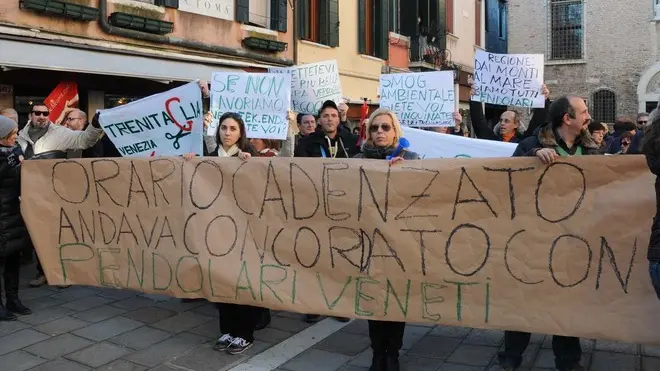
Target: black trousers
{"type": "Point", "coordinates": [238, 320]}
{"type": "Point", "coordinates": [386, 337]}
{"type": "Point", "coordinates": [11, 267]}
{"type": "Point", "coordinates": [567, 349]}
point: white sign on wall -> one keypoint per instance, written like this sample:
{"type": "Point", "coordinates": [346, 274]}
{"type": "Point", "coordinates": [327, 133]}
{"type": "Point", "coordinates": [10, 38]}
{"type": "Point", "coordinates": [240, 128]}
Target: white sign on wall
{"type": "Point", "coordinates": [223, 9]}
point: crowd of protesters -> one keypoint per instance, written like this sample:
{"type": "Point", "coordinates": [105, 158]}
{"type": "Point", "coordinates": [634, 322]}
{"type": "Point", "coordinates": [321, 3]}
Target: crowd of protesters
{"type": "Point", "coordinates": [562, 128]}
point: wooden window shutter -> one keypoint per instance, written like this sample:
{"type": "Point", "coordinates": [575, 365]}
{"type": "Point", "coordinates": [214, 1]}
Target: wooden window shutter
{"type": "Point", "coordinates": [243, 11]}
{"type": "Point", "coordinates": [333, 23]}
{"type": "Point", "coordinates": [477, 22]}
{"type": "Point", "coordinates": [362, 26]}
{"type": "Point", "coordinates": [382, 28]}
{"type": "Point", "coordinates": [449, 6]}
{"type": "Point", "coordinates": [302, 11]}
{"type": "Point", "coordinates": [278, 15]}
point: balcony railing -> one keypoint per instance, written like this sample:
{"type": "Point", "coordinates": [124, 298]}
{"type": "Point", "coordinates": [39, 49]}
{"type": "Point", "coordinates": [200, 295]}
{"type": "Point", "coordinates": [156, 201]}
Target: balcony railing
{"type": "Point", "coordinates": [422, 51]}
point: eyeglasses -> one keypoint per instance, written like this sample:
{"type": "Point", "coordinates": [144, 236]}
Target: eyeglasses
{"type": "Point", "coordinates": [72, 118]}
{"type": "Point", "coordinates": [40, 113]}
{"type": "Point", "coordinates": [386, 128]}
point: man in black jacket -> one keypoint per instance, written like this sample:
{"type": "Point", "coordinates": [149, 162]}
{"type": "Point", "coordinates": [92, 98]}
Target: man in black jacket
{"type": "Point", "coordinates": [330, 139]}
{"type": "Point", "coordinates": [567, 134]}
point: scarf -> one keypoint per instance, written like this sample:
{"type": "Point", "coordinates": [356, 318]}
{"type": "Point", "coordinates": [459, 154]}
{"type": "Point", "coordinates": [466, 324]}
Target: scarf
{"type": "Point", "coordinates": [233, 150]}
{"type": "Point", "coordinates": [35, 133]}
{"type": "Point", "coordinates": [507, 137]}
{"type": "Point", "coordinates": [378, 153]}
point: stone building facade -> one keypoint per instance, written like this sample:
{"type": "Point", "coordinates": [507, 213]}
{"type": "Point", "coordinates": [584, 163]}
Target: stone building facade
{"type": "Point", "coordinates": [606, 51]}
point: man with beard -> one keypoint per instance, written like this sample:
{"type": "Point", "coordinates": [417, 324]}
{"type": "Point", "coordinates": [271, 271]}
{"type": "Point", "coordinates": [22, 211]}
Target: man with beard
{"type": "Point", "coordinates": [42, 138]}
{"type": "Point", "coordinates": [565, 135]}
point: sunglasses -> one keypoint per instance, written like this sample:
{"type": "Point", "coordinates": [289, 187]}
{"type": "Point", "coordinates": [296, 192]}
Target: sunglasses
{"type": "Point", "coordinates": [40, 113]}
{"type": "Point", "coordinates": [642, 122]}
{"type": "Point", "coordinates": [386, 128]}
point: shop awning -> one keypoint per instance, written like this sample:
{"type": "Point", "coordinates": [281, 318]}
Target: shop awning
{"type": "Point", "coordinates": [58, 58]}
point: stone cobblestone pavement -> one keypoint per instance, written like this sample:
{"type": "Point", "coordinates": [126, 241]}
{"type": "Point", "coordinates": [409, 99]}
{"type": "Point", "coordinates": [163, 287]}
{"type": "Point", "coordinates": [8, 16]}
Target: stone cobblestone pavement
{"type": "Point", "coordinates": [86, 328]}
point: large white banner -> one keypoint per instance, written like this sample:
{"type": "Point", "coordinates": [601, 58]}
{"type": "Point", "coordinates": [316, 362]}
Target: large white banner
{"type": "Point", "coordinates": [165, 124]}
{"type": "Point", "coordinates": [509, 79]}
{"type": "Point", "coordinates": [312, 84]}
{"type": "Point", "coordinates": [262, 100]}
{"type": "Point", "coordinates": [422, 99]}
{"type": "Point", "coordinates": [429, 144]}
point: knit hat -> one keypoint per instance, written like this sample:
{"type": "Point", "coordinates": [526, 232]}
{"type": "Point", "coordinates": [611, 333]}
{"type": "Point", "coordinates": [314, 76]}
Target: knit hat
{"type": "Point", "coordinates": [7, 125]}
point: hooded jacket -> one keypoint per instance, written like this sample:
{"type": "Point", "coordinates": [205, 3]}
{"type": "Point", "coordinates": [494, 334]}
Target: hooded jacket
{"type": "Point", "coordinates": [316, 144]}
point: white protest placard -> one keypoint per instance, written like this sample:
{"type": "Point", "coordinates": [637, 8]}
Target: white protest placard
{"type": "Point", "coordinates": [165, 124]}
{"type": "Point", "coordinates": [312, 84]}
{"type": "Point", "coordinates": [509, 79]}
{"type": "Point", "coordinates": [429, 144]}
{"type": "Point", "coordinates": [421, 99]}
{"type": "Point", "coordinates": [261, 99]}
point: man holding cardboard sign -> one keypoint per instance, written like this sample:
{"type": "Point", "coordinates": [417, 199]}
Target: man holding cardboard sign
{"type": "Point", "coordinates": [566, 135]}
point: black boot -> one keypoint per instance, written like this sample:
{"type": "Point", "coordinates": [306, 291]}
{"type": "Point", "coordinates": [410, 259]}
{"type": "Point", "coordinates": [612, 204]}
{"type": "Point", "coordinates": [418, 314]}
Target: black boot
{"type": "Point", "coordinates": [392, 362]}
{"type": "Point", "coordinates": [6, 315]}
{"type": "Point", "coordinates": [263, 319]}
{"type": "Point", "coordinates": [12, 278]}
{"type": "Point", "coordinates": [379, 362]}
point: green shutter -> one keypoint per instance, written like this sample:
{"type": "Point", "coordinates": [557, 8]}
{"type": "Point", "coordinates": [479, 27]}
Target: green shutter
{"type": "Point", "coordinates": [382, 30]}
{"type": "Point", "coordinates": [278, 15]}
{"type": "Point", "coordinates": [333, 23]}
{"type": "Point", "coordinates": [243, 11]}
{"type": "Point", "coordinates": [362, 26]}
{"type": "Point", "coordinates": [302, 12]}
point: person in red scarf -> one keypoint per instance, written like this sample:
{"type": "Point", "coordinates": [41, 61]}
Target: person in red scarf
{"type": "Point", "coordinates": [509, 128]}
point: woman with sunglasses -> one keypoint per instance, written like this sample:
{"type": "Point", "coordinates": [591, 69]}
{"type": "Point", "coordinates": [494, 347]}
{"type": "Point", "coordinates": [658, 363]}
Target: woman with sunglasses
{"type": "Point", "coordinates": [383, 134]}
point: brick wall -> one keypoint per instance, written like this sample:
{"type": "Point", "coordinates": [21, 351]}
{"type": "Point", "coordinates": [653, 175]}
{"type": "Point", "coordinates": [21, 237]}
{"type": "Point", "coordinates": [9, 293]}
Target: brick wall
{"type": "Point", "coordinates": [620, 44]}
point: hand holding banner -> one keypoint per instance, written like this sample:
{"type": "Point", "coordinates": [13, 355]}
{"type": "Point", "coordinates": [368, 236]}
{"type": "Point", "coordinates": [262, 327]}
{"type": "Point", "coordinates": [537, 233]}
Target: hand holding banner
{"type": "Point", "coordinates": [261, 99]}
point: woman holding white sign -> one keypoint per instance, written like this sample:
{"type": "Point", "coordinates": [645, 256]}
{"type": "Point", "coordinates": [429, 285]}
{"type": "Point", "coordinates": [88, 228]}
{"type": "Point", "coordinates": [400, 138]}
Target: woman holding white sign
{"type": "Point", "coordinates": [384, 143]}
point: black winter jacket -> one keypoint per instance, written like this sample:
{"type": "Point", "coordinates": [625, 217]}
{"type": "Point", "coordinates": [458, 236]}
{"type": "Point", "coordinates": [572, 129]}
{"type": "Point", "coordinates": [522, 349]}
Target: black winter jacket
{"type": "Point", "coordinates": [316, 144]}
{"type": "Point", "coordinates": [651, 150]}
{"type": "Point", "coordinates": [13, 234]}
{"type": "Point", "coordinates": [482, 131]}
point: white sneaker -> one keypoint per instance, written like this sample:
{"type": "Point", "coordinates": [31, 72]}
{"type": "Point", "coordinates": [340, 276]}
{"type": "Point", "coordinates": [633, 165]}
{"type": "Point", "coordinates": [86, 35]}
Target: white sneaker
{"type": "Point", "coordinates": [223, 342]}
{"type": "Point", "coordinates": [238, 346]}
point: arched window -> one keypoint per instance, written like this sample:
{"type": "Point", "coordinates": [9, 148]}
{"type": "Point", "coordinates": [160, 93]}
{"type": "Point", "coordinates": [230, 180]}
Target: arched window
{"type": "Point", "coordinates": [603, 106]}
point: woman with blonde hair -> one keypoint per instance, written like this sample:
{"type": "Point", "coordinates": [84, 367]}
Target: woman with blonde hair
{"type": "Point", "coordinates": [383, 132]}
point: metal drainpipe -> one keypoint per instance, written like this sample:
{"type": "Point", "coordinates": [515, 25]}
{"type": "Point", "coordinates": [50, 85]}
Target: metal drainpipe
{"type": "Point", "coordinates": [131, 34]}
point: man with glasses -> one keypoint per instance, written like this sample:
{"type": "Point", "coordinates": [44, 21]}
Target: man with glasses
{"type": "Point", "coordinates": [642, 120]}
{"type": "Point", "coordinates": [41, 138]}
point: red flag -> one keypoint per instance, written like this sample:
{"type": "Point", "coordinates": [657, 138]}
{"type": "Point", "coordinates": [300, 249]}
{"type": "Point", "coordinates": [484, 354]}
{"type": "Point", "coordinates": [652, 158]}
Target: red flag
{"type": "Point", "coordinates": [61, 100]}
{"type": "Point", "coordinates": [363, 116]}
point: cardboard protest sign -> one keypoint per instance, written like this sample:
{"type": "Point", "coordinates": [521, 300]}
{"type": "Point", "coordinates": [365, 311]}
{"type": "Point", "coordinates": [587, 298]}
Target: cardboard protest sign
{"type": "Point", "coordinates": [491, 243]}
{"type": "Point", "coordinates": [262, 100]}
{"type": "Point", "coordinates": [429, 144]}
{"type": "Point", "coordinates": [312, 84]}
{"type": "Point", "coordinates": [165, 124]}
{"type": "Point", "coordinates": [422, 99]}
{"type": "Point", "coordinates": [508, 79]}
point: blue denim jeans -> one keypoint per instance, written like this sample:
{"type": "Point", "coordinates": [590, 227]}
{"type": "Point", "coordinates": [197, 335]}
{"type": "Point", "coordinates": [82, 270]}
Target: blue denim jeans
{"type": "Point", "coordinates": [654, 272]}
